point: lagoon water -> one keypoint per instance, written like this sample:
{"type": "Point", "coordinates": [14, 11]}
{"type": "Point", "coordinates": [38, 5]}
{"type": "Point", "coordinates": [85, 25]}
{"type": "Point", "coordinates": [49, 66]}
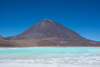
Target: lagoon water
{"type": "Point", "coordinates": [50, 57]}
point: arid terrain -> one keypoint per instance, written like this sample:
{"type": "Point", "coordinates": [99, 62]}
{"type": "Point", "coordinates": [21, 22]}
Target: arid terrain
{"type": "Point", "coordinates": [47, 33]}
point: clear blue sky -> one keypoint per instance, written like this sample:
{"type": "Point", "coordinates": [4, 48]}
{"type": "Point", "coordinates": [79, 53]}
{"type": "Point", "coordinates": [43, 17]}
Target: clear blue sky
{"type": "Point", "coordinates": [81, 16]}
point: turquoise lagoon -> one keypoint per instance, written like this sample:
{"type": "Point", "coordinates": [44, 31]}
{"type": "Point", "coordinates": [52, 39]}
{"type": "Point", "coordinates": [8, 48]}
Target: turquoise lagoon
{"type": "Point", "coordinates": [68, 55]}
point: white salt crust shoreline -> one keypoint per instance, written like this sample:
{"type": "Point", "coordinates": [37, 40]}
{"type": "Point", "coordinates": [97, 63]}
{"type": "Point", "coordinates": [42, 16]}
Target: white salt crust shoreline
{"type": "Point", "coordinates": [43, 65]}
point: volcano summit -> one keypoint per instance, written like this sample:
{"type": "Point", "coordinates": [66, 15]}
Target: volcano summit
{"type": "Point", "coordinates": [49, 33]}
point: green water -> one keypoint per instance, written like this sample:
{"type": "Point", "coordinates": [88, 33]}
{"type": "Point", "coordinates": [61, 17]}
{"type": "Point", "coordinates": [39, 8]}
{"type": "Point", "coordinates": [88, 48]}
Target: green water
{"type": "Point", "coordinates": [34, 53]}
{"type": "Point", "coordinates": [69, 55]}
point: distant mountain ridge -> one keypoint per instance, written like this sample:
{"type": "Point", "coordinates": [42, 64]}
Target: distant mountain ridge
{"type": "Point", "coordinates": [48, 33]}
{"type": "Point", "coordinates": [1, 37]}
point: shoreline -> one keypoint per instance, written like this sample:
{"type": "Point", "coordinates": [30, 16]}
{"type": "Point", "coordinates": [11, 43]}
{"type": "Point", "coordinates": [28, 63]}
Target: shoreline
{"type": "Point", "coordinates": [51, 47]}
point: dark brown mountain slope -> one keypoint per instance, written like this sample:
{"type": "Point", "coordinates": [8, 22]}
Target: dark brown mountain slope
{"type": "Point", "coordinates": [49, 33]}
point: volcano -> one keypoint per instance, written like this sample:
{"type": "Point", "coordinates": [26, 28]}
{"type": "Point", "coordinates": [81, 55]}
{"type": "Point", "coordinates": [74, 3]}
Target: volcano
{"type": "Point", "coordinates": [49, 33]}
{"type": "Point", "coordinates": [47, 29]}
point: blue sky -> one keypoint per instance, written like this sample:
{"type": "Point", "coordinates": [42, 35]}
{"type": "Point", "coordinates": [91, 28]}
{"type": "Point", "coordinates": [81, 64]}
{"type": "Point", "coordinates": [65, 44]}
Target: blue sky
{"type": "Point", "coordinates": [81, 16]}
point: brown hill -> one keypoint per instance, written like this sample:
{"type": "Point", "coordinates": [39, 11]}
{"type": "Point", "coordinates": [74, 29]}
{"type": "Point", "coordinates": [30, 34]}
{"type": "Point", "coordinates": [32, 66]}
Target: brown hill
{"type": "Point", "coordinates": [49, 33]}
{"type": "Point", "coordinates": [1, 38]}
